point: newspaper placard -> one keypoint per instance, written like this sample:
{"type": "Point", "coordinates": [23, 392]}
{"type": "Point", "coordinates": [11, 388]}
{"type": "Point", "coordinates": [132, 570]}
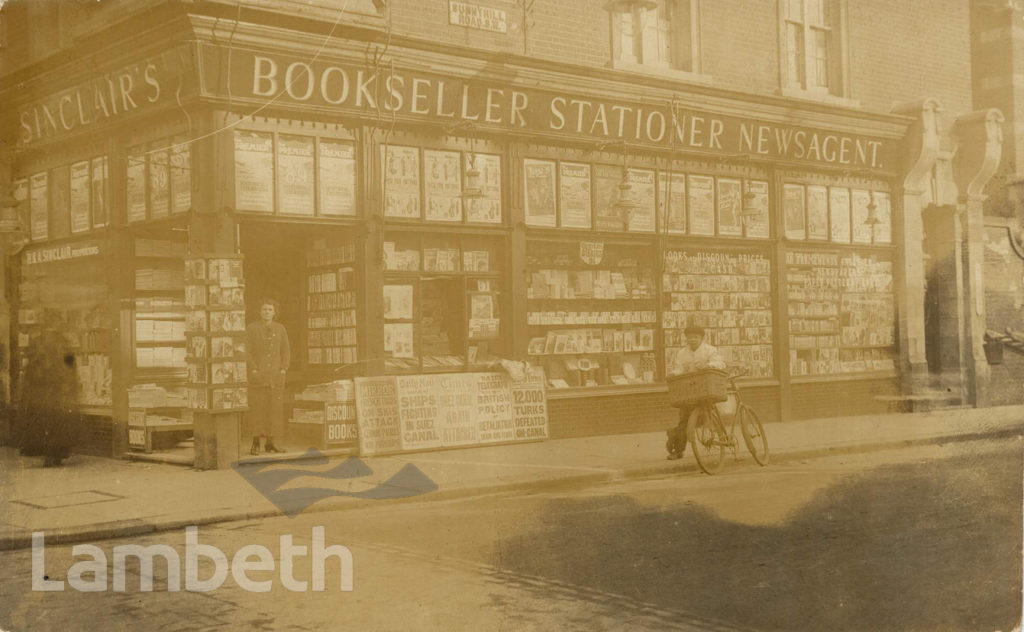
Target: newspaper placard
{"type": "Point", "coordinates": [494, 408]}
{"type": "Point", "coordinates": [672, 196]}
{"type": "Point", "coordinates": [135, 175]}
{"type": "Point", "coordinates": [181, 177]}
{"type": "Point", "coordinates": [701, 199]}
{"type": "Point", "coordinates": [756, 224]}
{"type": "Point", "coordinates": [642, 216]}
{"type": "Point", "coordinates": [883, 229]}
{"type": "Point", "coordinates": [458, 411]}
{"type": "Point", "coordinates": [839, 213]}
{"type": "Point", "coordinates": [295, 166]}
{"type": "Point", "coordinates": [817, 212]}
{"type": "Point", "coordinates": [419, 411]}
{"type": "Point", "coordinates": [98, 190]}
{"type": "Point", "coordinates": [443, 185]}
{"type": "Point", "coordinates": [254, 171]}
{"type": "Point", "coordinates": [793, 211]}
{"type": "Point", "coordinates": [39, 206]}
{"type": "Point", "coordinates": [730, 207]}
{"type": "Point", "coordinates": [80, 197]}
{"type": "Point", "coordinates": [574, 195]}
{"type": "Point", "coordinates": [377, 411]}
{"type": "Point", "coordinates": [530, 406]}
{"type": "Point", "coordinates": [860, 199]}
{"type": "Point", "coordinates": [539, 180]}
{"type": "Point", "coordinates": [159, 183]}
{"type": "Point", "coordinates": [488, 208]}
{"type": "Point", "coordinates": [401, 181]}
{"type": "Point", "coordinates": [337, 177]}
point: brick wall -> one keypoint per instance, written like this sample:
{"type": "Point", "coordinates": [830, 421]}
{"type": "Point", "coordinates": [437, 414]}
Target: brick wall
{"type": "Point", "coordinates": [898, 50]}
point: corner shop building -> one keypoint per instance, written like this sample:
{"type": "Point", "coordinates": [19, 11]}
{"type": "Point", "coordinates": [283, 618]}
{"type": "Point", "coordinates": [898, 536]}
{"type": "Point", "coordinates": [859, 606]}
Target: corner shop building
{"type": "Point", "coordinates": [426, 211]}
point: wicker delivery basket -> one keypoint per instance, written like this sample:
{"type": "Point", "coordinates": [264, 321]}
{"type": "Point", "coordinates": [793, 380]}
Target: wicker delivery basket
{"type": "Point", "coordinates": [692, 388]}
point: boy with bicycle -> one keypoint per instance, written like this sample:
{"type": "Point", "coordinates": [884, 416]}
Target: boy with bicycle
{"type": "Point", "coordinates": [696, 355]}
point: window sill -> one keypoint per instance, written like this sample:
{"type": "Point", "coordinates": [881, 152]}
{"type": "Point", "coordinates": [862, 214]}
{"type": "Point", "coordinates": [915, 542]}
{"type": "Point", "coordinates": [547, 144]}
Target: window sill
{"type": "Point", "coordinates": [819, 95]}
{"type": "Point", "coordinates": [664, 72]}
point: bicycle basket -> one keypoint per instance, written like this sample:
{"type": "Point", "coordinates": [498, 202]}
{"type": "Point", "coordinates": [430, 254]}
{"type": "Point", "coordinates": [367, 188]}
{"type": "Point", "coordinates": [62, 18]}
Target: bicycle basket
{"type": "Point", "coordinates": [692, 388]}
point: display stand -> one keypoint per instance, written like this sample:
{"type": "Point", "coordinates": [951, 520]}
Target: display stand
{"type": "Point", "coordinates": [215, 334]}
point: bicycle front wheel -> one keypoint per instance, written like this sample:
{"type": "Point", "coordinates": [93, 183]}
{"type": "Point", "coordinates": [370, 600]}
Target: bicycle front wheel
{"type": "Point", "coordinates": [703, 431]}
{"type": "Point", "coordinates": [753, 434]}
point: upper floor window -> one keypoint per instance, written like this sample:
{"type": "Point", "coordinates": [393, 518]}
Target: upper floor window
{"type": "Point", "coordinates": [655, 34]}
{"type": "Point", "coordinates": [812, 44]}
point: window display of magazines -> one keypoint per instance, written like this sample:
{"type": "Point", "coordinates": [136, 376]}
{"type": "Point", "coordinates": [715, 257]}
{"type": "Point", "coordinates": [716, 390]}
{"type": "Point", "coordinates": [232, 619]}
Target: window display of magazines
{"type": "Point", "coordinates": [727, 293]}
{"type": "Point", "coordinates": [842, 316]}
{"type": "Point", "coordinates": [215, 333]}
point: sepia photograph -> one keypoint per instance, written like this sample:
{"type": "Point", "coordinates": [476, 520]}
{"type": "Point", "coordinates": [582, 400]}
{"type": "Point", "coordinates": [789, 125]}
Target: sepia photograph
{"type": "Point", "coordinates": [698, 315]}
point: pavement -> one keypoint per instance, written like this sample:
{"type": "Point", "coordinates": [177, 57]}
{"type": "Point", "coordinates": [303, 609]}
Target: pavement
{"type": "Point", "coordinates": [94, 498]}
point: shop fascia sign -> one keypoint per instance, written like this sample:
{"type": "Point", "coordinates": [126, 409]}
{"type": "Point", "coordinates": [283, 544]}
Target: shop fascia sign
{"type": "Point", "coordinates": [104, 98]}
{"type": "Point", "coordinates": [265, 77]}
{"type": "Point", "coordinates": [64, 252]}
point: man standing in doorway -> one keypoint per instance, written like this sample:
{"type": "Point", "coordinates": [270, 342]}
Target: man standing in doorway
{"type": "Point", "coordinates": [696, 355]}
{"type": "Point", "coordinates": [269, 354]}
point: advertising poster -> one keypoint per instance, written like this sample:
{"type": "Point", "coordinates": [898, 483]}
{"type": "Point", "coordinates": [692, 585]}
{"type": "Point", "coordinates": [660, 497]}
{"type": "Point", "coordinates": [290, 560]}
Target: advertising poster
{"type": "Point", "coordinates": [539, 180]}
{"type": "Point", "coordinates": [60, 201]}
{"type": "Point", "coordinates": [398, 302]}
{"type": "Point", "coordinates": [839, 214]}
{"type": "Point", "coordinates": [793, 211]}
{"type": "Point", "coordinates": [442, 177]}
{"type": "Point", "coordinates": [254, 171]}
{"type": "Point", "coordinates": [295, 166]}
{"type": "Point", "coordinates": [39, 206]}
{"type": "Point", "coordinates": [377, 411]}
{"type": "Point", "coordinates": [672, 196]}
{"type": "Point", "coordinates": [642, 217]}
{"type": "Point", "coordinates": [80, 197]}
{"type": "Point", "coordinates": [574, 195]}
{"type": "Point", "coordinates": [757, 224]}
{"type": "Point", "coordinates": [159, 183]}
{"type": "Point", "coordinates": [529, 406]}
{"type": "Point", "coordinates": [401, 181]}
{"type": "Point", "coordinates": [181, 178]}
{"type": "Point", "coordinates": [135, 184]}
{"type": "Point", "coordinates": [98, 190]}
{"type": "Point", "coordinates": [488, 208]}
{"type": "Point", "coordinates": [817, 212]}
{"type": "Point", "coordinates": [859, 215]}
{"type": "Point", "coordinates": [730, 207]}
{"type": "Point", "coordinates": [883, 229]}
{"type": "Point", "coordinates": [606, 194]}
{"type": "Point", "coordinates": [457, 420]}
{"type": "Point", "coordinates": [701, 200]}
{"type": "Point", "coordinates": [337, 177]}
{"type": "Point", "coordinates": [419, 411]}
{"type": "Point", "coordinates": [494, 408]}
{"type": "Point", "coordinates": [398, 340]}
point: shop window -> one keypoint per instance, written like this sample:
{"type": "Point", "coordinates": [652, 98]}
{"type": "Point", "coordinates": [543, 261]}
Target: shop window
{"type": "Point", "coordinates": [74, 294]}
{"type": "Point", "coordinates": [294, 175]}
{"type": "Point", "coordinates": [158, 180]}
{"type": "Point", "coordinates": [842, 316]}
{"type": "Point", "coordinates": [664, 37]}
{"type": "Point", "coordinates": [729, 294]}
{"type": "Point", "coordinates": [838, 214]}
{"type": "Point", "coordinates": [592, 311]}
{"type": "Point", "coordinates": [812, 41]}
{"type": "Point", "coordinates": [441, 185]}
{"type": "Point", "coordinates": [443, 298]}
{"type": "Point", "coordinates": [331, 306]}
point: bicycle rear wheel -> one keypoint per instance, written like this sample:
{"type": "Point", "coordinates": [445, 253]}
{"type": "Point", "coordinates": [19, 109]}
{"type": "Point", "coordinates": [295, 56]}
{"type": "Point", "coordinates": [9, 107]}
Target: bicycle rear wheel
{"type": "Point", "coordinates": [703, 431]}
{"type": "Point", "coordinates": [753, 434]}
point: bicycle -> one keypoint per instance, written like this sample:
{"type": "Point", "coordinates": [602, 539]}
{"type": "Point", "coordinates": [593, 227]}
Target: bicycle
{"type": "Point", "coordinates": [708, 437]}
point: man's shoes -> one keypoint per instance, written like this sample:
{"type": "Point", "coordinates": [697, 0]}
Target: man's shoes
{"type": "Point", "coordinates": [270, 447]}
{"type": "Point", "coordinates": [673, 456]}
